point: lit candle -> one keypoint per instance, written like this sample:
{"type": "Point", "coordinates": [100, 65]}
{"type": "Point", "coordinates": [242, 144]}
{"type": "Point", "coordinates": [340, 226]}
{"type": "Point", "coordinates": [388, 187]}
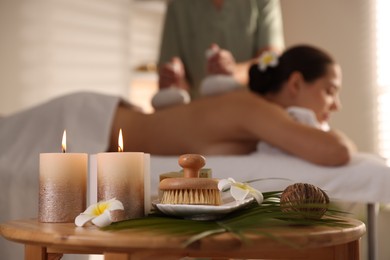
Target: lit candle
{"type": "Point", "coordinates": [62, 185]}
{"type": "Point", "coordinates": [121, 175]}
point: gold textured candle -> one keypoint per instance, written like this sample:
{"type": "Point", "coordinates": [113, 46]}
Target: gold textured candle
{"type": "Point", "coordinates": [62, 185]}
{"type": "Point", "coordinates": [121, 176]}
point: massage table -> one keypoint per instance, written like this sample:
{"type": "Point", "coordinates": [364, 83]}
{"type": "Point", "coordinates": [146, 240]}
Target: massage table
{"type": "Point", "coordinates": [366, 179]}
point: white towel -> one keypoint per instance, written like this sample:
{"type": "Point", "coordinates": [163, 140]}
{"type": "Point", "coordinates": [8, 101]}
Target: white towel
{"type": "Point", "coordinates": [300, 114]}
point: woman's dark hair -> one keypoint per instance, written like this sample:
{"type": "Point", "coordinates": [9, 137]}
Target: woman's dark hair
{"type": "Point", "coordinates": [310, 61]}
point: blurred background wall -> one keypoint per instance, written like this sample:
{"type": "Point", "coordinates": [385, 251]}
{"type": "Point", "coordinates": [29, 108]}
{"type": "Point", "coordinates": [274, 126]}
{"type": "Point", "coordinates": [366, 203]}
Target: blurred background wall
{"type": "Point", "coordinates": [52, 47]}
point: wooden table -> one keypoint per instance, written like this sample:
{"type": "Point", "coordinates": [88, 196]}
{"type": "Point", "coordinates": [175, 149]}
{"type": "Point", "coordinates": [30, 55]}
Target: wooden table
{"type": "Point", "coordinates": [50, 241]}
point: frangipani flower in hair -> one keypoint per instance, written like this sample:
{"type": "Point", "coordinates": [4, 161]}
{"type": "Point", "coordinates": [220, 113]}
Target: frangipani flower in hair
{"type": "Point", "coordinates": [239, 190]}
{"type": "Point", "coordinates": [268, 59]}
{"type": "Point", "coordinates": [99, 214]}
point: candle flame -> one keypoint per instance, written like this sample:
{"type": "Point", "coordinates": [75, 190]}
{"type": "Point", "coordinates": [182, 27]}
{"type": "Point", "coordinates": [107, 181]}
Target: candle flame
{"type": "Point", "coordinates": [64, 142]}
{"type": "Point", "coordinates": [120, 141]}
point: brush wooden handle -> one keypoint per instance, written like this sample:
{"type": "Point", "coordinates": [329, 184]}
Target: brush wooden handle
{"type": "Point", "coordinates": [191, 189]}
{"type": "Point", "coordinates": [191, 164]}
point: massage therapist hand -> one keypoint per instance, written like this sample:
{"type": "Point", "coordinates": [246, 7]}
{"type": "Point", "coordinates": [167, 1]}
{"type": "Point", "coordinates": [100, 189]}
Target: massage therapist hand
{"type": "Point", "coordinates": [173, 74]}
{"type": "Point", "coordinates": [220, 61]}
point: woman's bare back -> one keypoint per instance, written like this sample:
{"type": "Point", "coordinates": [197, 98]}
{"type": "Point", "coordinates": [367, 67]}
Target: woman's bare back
{"type": "Point", "coordinates": [232, 123]}
{"type": "Point", "coordinates": [207, 126]}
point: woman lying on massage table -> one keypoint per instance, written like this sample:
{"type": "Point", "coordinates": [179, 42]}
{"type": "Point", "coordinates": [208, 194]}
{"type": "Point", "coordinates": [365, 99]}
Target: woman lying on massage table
{"type": "Point", "coordinates": [229, 123]}
{"type": "Point", "coordinates": [234, 122]}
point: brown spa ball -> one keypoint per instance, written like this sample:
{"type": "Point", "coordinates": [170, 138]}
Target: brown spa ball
{"type": "Point", "coordinates": [306, 199]}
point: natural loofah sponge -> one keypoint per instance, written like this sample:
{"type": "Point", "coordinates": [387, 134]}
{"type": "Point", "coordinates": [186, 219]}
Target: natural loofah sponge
{"type": "Point", "coordinates": [308, 200]}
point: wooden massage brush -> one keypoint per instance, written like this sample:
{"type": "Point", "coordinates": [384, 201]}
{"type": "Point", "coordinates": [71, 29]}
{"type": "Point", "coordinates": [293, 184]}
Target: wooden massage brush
{"type": "Point", "coordinates": [190, 189]}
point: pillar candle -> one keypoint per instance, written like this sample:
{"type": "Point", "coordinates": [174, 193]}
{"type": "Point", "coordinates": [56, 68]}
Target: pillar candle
{"type": "Point", "coordinates": [121, 176]}
{"type": "Point", "coordinates": [62, 186]}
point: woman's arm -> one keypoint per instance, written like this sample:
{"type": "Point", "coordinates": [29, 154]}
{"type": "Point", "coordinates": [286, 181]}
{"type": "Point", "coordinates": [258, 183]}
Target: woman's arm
{"type": "Point", "coordinates": [272, 124]}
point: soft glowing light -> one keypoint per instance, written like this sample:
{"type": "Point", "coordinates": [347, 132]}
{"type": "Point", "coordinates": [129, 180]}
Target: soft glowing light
{"type": "Point", "coordinates": [383, 75]}
{"type": "Point", "coordinates": [64, 142]}
{"type": "Point", "coordinates": [383, 42]}
{"type": "Point", "coordinates": [120, 141]}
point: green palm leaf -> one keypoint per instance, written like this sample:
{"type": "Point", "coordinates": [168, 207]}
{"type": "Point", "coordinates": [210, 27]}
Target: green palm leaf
{"type": "Point", "coordinates": [239, 223]}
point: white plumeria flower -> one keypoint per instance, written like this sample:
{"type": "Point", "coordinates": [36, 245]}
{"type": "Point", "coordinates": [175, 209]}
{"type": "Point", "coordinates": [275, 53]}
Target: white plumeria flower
{"type": "Point", "coordinates": [99, 213]}
{"type": "Point", "coordinates": [268, 59]}
{"type": "Point", "coordinates": [239, 190]}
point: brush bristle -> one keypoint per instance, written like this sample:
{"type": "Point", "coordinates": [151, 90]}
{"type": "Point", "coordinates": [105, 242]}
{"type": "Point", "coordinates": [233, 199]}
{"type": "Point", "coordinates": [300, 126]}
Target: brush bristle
{"type": "Point", "coordinates": [192, 196]}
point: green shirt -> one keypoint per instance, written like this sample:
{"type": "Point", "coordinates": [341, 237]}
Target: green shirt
{"type": "Point", "coordinates": [241, 26]}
